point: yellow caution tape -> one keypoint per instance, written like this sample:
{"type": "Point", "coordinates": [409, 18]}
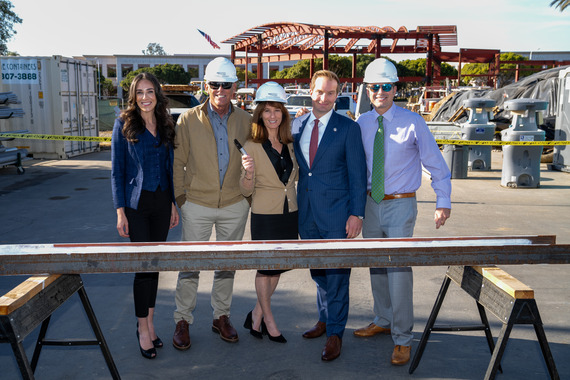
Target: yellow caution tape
{"type": "Point", "coordinates": [53, 137]}
{"type": "Point", "coordinates": [444, 142]}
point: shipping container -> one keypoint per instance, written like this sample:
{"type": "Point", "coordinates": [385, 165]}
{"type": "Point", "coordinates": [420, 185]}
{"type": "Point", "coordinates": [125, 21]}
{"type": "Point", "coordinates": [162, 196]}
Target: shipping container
{"type": "Point", "coordinates": [59, 97]}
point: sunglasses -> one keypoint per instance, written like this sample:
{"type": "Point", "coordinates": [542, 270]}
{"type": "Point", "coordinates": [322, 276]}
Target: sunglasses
{"type": "Point", "coordinates": [216, 85]}
{"type": "Point", "coordinates": [386, 87]}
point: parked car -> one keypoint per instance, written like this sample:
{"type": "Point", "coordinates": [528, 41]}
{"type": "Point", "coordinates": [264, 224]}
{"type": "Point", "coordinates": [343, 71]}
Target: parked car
{"type": "Point", "coordinates": [296, 102]}
{"type": "Point", "coordinates": [180, 103]}
{"type": "Point", "coordinates": [345, 104]}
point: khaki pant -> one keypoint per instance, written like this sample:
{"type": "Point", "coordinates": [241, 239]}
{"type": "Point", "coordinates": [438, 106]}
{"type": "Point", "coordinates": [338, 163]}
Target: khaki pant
{"type": "Point", "coordinates": [197, 224]}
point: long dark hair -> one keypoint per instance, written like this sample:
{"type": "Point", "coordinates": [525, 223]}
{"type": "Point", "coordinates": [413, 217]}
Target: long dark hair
{"type": "Point", "coordinates": [258, 131]}
{"type": "Point", "coordinates": [134, 123]}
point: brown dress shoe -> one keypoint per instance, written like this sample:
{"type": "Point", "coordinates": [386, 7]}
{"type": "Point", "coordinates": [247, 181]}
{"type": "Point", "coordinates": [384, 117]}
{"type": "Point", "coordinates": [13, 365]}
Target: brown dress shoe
{"type": "Point", "coordinates": [181, 339]}
{"type": "Point", "coordinates": [224, 327]}
{"type": "Point", "coordinates": [316, 331]}
{"type": "Point", "coordinates": [332, 348]}
{"type": "Point", "coordinates": [401, 355]}
{"type": "Point", "coordinates": [371, 330]}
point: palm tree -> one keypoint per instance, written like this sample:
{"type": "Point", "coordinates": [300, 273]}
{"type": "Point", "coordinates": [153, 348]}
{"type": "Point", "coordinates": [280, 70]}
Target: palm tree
{"type": "Point", "coordinates": [562, 4]}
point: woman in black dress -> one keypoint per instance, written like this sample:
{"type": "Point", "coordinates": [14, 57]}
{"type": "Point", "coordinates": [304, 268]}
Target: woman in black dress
{"type": "Point", "coordinates": [269, 174]}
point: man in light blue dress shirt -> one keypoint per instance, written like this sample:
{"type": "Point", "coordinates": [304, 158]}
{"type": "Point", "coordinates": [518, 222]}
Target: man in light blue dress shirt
{"type": "Point", "coordinates": [408, 144]}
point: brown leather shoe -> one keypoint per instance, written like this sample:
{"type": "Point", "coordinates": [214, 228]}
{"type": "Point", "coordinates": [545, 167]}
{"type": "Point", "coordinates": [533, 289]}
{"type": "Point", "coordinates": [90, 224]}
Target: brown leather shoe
{"type": "Point", "coordinates": [332, 348]}
{"type": "Point", "coordinates": [224, 327]}
{"type": "Point", "coordinates": [316, 331]}
{"type": "Point", "coordinates": [181, 339]}
{"type": "Point", "coordinates": [371, 330]}
{"type": "Point", "coordinates": [401, 355]}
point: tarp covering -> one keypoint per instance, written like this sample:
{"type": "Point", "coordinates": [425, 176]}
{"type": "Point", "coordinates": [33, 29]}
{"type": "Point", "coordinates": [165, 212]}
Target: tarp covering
{"type": "Point", "coordinates": [542, 85]}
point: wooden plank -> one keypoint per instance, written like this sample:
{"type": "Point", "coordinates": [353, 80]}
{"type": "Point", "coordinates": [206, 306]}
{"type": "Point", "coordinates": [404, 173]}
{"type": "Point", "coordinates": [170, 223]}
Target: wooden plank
{"type": "Point", "coordinates": [495, 300]}
{"type": "Point", "coordinates": [506, 282]}
{"type": "Point", "coordinates": [31, 314]}
{"type": "Point", "coordinates": [242, 255]}
{"type": "Point", "coordinates": [24, 292]}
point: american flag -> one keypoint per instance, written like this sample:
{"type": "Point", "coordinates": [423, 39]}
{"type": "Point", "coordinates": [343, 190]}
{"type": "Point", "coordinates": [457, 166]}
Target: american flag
{"type": "Point", "coordinates": [207, 37]}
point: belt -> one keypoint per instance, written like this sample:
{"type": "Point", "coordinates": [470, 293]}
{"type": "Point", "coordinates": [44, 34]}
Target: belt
{"type": "Point", "coordinates": [395, 196]}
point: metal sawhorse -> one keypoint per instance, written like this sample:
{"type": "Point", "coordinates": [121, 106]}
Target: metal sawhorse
{"type": "Point", "coordinates": [33, 302]}
{"type": "Point", "coordinates": [504, 296]}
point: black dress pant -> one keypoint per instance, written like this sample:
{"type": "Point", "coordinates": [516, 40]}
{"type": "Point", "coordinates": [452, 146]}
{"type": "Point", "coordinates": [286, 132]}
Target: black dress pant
{"type": "Point", "coordinates": [150, 222]}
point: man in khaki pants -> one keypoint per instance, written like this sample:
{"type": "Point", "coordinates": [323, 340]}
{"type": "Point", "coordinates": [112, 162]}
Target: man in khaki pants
{"type": "Point", "coordinates": [206, 187]}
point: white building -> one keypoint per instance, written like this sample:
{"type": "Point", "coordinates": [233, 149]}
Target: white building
{"type": "Point", "coordinates": [545, 55]}
{"type": "Point", "coordinates": [116, 67]}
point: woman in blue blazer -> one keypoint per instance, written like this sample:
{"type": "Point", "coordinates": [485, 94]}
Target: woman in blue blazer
{"type": "Point", "coordinates": [143, 192]}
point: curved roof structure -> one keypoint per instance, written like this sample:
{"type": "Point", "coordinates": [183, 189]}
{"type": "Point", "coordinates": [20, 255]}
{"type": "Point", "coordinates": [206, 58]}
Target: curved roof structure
{"type": "Point", "coordinates": [292, 41]}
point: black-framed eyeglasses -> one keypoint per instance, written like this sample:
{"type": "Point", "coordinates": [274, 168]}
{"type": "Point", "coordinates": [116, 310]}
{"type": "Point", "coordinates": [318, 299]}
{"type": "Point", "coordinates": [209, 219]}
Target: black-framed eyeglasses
{"type": "Point", "coordinates": [216, 85]}
{"type": "Point", "coordinates": [386, 87]}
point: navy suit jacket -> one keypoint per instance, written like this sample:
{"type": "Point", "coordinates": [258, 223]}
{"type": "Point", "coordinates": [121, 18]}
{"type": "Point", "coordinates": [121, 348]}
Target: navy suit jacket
{"type": "Point", "coordinates": [127, 170]}
{"type": "Point", "coordinates": [335, 187]}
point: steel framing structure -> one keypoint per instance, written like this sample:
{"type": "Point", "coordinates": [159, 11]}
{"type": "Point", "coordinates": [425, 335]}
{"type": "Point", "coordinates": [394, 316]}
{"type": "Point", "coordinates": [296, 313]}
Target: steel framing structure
{"type": "Point", "coordinates": [287, 41]}
{"type": "Point", "coordinates": [290, 41]}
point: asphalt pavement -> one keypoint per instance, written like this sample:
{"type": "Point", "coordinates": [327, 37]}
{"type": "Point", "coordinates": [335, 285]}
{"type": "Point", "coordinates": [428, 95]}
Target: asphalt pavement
{"type": "Point", "coordinates": [69, 201]}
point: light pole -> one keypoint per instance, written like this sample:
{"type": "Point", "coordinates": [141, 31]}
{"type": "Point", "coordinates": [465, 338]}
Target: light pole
{"type": "Point", "coordinates": [98, 79]}
{"type": "Point", "coordinates": [530, 55]}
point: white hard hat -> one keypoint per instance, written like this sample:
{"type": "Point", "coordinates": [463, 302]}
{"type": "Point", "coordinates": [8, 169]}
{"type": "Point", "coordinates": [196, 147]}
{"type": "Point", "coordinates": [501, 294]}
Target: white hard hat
{"type": "Point", "coordinates": [221, 70]}
{"type": "Point", "coordinates": [381, 71]}
{"type": "Point", "coordinates": [271, 92]}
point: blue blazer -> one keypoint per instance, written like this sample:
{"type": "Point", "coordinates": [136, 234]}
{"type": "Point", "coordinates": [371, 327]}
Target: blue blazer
{"type": "Point", "coordinates": [127, 169]}
{"type": "Point", "coordinates": [335, 187]}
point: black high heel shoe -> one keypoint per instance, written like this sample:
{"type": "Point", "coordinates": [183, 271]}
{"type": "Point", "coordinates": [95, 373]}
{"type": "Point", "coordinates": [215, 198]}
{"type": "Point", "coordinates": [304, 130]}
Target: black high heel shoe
{"type": "Point", "coordinates": [157, 343]}
{"type": "Point", "coordinates": [248, 324]}
{"type": "Point", "coordinates": [278, 339]}
{"type": "Point", "coordinates": [150, 353]}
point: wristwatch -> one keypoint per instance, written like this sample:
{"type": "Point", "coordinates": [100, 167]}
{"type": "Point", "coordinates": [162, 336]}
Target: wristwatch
{"type": "Point", "coordinates": [360, 217]}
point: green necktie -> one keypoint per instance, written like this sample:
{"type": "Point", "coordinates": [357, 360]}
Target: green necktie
{"type": "Point", "coordinates": [377, 187]}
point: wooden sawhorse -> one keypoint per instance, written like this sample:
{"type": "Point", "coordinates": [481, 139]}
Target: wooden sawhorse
{"type": "Point", "coordinates": [33, 302]}
{"type": "Point", "coordinates": [504, 296]}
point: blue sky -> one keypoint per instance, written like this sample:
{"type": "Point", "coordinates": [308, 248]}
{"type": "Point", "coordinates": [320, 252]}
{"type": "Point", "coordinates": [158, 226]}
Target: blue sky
{"type": "Point", "coordinates": [106, 27]}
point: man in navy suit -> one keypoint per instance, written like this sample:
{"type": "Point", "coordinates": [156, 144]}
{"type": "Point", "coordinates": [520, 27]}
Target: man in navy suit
{"type": "Point", "coordinates": [331, 198]}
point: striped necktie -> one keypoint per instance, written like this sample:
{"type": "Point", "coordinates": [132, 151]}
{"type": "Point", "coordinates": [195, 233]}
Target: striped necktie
{"type": "Point", "coordinates": [377, 186]}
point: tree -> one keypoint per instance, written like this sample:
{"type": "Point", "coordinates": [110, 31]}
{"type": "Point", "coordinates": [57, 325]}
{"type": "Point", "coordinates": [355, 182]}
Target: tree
{"type": "Point", "coordinates": [171, 74]}
{"type": "Point", "coordinates": [298, 70]}
{"type": "Point", "coordinates": [105, 86]}
{"type": "Point", "coordinates": [154, 48]}
{"type": "Point", "coordinates": [166, 74]}
{"type": "Point", "coordinates": [506, 75]}
{"type": "Point", "coordinates": [241, 74]}
{"type": "Point", "coordinates": [562, 4]}
{"type": "Point", "coordinates": [362, 61]}
{"type": "Point", "coordinates": [7, 20]}
{"type": "Point", "coordinates": [417, 68]}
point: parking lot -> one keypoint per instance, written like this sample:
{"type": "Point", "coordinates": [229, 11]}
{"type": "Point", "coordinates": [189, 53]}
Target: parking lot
{"type": "Point", "coordinates": [70, 201]}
